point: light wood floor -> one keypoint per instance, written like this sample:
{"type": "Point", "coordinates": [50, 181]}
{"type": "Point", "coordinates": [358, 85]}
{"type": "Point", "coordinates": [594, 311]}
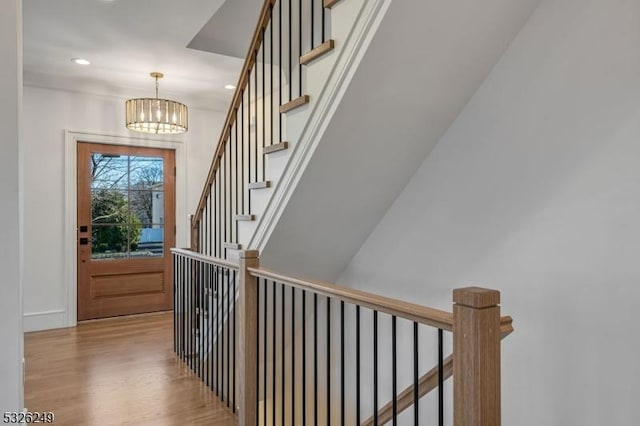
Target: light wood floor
{"type": "Point", "coordinates": [117, 372]}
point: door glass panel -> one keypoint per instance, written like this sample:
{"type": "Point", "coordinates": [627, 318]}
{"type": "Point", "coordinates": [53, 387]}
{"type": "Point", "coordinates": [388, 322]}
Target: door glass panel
{"type": "Point", "coordinates": [109, 241]}
{"type": "Point", "coordinates": [148, 205]}
{"type": "Point", "coordinates": [150, 243]}
{"type": "Point", "coordinates": [109, 171]}
{"type": "Point", "coordinates": [127, 206]}
{"type": "Point", "coordinates": [109, 206]}
{"type": "Point", "coordinates": [146, 172]}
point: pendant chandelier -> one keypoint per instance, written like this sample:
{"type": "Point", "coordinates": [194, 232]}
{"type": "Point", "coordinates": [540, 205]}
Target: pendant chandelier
{"type": "Point", "coordinates": [155, 115]}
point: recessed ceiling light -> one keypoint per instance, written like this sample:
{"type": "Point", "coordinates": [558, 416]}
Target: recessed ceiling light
{"type": "Point", "coordinates": [229, 87]}
{"type": "Point", "coordinates": [81, 61]}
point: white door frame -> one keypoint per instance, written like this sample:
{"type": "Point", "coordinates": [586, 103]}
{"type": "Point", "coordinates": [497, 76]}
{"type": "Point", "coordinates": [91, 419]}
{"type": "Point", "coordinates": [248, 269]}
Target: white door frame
{"type": "Point", "coordinates": [71, 139]}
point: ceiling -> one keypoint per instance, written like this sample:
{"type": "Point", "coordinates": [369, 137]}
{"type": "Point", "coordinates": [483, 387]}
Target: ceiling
{"type": "Point", "coordinates": [125, 40]}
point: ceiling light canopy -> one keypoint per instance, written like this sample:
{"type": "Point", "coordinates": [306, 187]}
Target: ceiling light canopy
{"type": "Point", "coordinates": [155, 115]}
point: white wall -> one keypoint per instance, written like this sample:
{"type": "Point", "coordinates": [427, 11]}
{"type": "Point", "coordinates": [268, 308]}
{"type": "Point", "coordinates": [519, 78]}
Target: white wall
{"type": "Point", "coordinates": [48, 113]}
{"type": "Point", "coordinates": [535, 190]}
{"type": "Point", "coordinates": [11, 394]}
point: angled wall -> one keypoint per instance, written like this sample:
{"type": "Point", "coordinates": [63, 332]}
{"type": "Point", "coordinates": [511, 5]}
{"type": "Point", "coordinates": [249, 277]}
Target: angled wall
{"type": "Point", "coordinates": [535, 190]}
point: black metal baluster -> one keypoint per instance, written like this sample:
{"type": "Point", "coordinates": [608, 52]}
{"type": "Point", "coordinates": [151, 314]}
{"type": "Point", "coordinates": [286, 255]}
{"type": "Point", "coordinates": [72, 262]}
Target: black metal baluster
{"type": "Point", "coordinates": [290, 54]}
{"type": "Point", "coordinates": [224, 295]}
{"type": "Point", "coordinates": [229, 198]}
{"type": "Point", "coordinates": [299, 48]}
{"type": "Point", "coordinates": [199, 314]}
{"type": "Point", "coordinates": [183, 311]}
{"type": "Point", "coordinates": [264, 384]}
{"type": "Point", "coordinates": [209, 325]}
{"type": "Point", "coordinates": [209, 316]}
{"type": "Point", "coordinates": [293, 355]}
{"type": "Point", "coordinates": [273, 359]}
{"type": "Point", "coordinates": [375, 368]}
{"type": "Point", "coordinates": [218, 286]}
{"type": "Point", "coordinates": [248, 194]}
{"type": "Point", "coordinates": [235, 179]}
{"type": "Point", "coordinates": [255, 115]}
{"type": "Point", "coordinates": [315, 359]}
{"type": "Point", "coordinates": [224, 204]}
{"type": "Point", "coordinates": [280, 69]}
{"type": "Point", "coordinates": [264, 103]}
{"type": "Point", "coordinates": [200, 318]}
{"type": "Point", "coordinates": [304, 357]}
{"type": "Point", "coordinates": [358, 365]}
{"type": "Point", "coordinates": [216, 213]}
{"type": "Point", "coordinates": [232, 173]}
{"type": "Point", "coordinates": [258, 324]}
{"type": "Point", "coordinates": [312, 38]}
{"type": "Point", "coordinates": [416, 402]}
{"type": "Point", "coordinates": [228, 337]}
{"type": "Point", "coordinates": [214, 210]}
{"type": "Point", "coordinates": [185, 308]}
{"type": "Point", "coordinates": [440, 379]}
{"type": "Point", "coordinates": [282, 355]}
{"type": "Point", "coordinates": [271, 71]}
{"type": "Point", "coordinates": [192, 315]}
{"type": "Point", "coordinates": [323, 14]}
{"type": "Point", "coordinates": [394, 375]}
{"type": "Point", "coordinates": [242, 128]}
{"type": "Point", "coordinates": [342, 383]}
{"type": "Point", "coordinates": [235, 353]}
{"type": "Point", "coordinates": [328, 361]}
{"type": "Point", "coordinates": [175, 304]}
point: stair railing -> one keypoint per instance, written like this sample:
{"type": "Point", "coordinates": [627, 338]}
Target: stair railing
{"type": "Point", "coordinates": [270, 85]}
{"type": "Point", "coordinates": [283, 350]}
{"type": "Point", "coordinates": [283, 356]}
{"type": "Point", "coordinates": [205, 320]}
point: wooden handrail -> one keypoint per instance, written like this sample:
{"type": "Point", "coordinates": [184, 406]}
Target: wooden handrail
{"type": "Point", "coordinates": [410, 311]}
{"type": "Point", "coordinates": [428, 382]}
{"type": "Point", "coordinates": [256, 41]}
{"type": "Point", "coordinates": [205, 258]}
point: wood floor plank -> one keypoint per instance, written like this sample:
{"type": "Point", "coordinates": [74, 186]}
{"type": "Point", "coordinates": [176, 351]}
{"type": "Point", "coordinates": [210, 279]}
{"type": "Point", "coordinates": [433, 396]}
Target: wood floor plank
{"type": "Point", "coordinates": [117, 372]}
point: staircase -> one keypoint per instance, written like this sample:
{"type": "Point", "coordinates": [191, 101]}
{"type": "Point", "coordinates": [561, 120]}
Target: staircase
{"type": "Point", "coordinates": [302, 55]}
{"type": "Point", "coordinates": [283, 350]}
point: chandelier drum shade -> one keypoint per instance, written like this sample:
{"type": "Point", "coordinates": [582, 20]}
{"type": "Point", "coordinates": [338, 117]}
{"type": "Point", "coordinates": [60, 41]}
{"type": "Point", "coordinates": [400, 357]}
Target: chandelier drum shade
{"type": "Point", "coordinates": [155, 115]}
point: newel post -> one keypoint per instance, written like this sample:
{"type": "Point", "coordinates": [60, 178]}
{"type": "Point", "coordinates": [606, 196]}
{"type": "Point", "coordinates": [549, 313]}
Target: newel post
{"type": "Point", "coordinates": [476, 352]}
{"type": "Point", "coordinates": [248, 333]}
{"type": "Point", "coordinates": [195, 234]}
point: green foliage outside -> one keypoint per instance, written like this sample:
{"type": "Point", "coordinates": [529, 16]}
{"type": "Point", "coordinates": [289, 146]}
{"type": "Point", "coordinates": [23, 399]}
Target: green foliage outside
{"type": "Point", "coordinates": [111, 207]}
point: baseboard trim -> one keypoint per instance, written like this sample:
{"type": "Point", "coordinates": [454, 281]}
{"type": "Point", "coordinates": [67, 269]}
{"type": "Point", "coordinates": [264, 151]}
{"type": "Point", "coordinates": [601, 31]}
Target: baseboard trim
{"type": "Point", "coordinates": [47, 320]}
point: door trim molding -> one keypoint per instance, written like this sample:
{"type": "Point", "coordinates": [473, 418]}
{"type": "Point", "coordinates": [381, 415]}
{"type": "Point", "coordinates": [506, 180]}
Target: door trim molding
{"type": "Point", "coordinates": [71, 139]}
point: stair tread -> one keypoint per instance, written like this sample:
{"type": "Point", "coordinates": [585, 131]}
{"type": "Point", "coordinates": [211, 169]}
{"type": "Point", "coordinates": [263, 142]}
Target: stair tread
{"type": "Point", "coordinates": [232, 246]}
{"type": "Point", "coordinates": [316, 53]}
{"type": "Point", "coordinates": [295, 103]}
{"type": "Point", "coordinates": [260, 185]}
{"type": "Point", "coordinates": [275, 147]}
